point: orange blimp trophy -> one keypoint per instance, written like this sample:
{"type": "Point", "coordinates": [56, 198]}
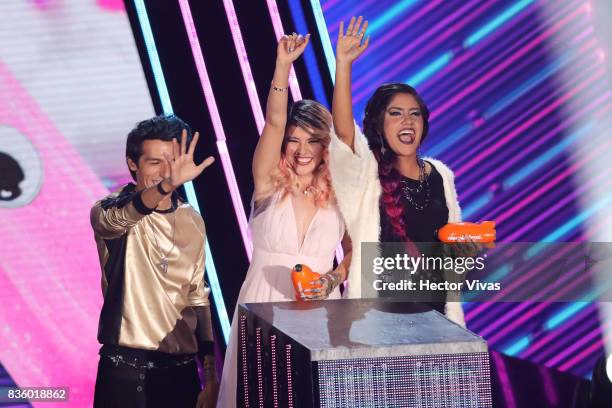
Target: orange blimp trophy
{"type": "Point", "coordinates": [483, 232]}
{"type": "Point", "coordinates": [302, 275]}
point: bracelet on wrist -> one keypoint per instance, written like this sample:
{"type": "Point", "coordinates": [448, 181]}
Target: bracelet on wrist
{"type": "Point", "coordinates": [279, 89]}
{"type": "Point", "coordinates": [331, 280]}
{"type": "Point", "coordinates": [336, 278]}
{"type": "Point", "coordinates": [327, 288]}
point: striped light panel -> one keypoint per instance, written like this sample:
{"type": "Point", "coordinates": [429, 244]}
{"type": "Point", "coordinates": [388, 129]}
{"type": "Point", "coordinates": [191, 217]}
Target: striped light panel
{"type": "Point", "coordinates": [520, 110]}
{"type": "Point", "coordinates": [217, 124]}
{"type": "Point", "coordinates": [280, 31]}
{"type": "Point", "coordinates": [245, 67]}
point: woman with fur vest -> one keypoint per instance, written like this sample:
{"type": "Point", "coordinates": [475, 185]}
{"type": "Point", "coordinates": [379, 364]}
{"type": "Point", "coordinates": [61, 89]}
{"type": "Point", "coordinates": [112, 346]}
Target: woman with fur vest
{"type": "Point", "coordinates": [385, 191]}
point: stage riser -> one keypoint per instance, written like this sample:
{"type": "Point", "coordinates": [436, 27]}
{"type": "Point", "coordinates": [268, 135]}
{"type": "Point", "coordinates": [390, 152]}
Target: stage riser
{"type": "Point", "coordinates": [277, 370]}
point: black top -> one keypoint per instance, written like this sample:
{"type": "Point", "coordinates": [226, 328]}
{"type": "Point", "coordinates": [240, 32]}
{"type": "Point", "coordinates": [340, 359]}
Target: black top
{"type": "Point", "coordinates": [421, 225]}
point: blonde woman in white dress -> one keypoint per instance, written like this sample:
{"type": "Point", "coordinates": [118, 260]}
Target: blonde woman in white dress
{"type": "Point", "coordinates": [294, 217]}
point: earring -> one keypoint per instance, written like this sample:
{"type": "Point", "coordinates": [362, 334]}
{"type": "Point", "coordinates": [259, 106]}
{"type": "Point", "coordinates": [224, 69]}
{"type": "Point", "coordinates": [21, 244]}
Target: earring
{"type": "Point", "coordinates": [383, 150]}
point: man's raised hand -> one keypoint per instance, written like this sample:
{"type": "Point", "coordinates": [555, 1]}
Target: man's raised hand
{"type": "Point", "coordinates": [180, 167]}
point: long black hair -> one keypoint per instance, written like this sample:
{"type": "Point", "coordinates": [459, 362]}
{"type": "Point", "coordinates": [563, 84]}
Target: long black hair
{"type": "Point", "coordinates": [373, 129]}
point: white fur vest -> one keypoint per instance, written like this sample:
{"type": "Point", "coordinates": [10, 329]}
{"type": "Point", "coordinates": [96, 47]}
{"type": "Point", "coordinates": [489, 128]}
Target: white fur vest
{"type": "Point", "coordinates": [357, 187]}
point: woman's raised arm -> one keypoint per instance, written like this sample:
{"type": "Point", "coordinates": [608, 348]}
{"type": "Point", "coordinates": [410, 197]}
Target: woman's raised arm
{"type": "Point", "coordinates": [349, 47]}
{"type": "Point", "coordinates": [267, 153]}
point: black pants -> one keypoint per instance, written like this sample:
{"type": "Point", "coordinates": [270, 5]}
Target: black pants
{"type": "Point", "coordinates": [138, 379]}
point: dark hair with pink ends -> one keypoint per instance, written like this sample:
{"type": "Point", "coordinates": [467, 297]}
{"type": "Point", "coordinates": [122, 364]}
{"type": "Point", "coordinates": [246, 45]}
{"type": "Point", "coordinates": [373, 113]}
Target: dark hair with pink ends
{"type": "Point", "coordinates": [373, 129]}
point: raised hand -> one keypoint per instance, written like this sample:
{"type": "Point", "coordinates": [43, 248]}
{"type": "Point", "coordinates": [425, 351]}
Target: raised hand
{"type": "Point", "coordinates": [290, 47]}
{"type": "Point", "coordinates": [350, 44]}
{"type": "Point", "coordinates": [180, 167]}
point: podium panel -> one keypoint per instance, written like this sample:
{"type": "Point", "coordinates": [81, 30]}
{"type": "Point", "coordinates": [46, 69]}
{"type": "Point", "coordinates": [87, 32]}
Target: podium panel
{"type": "Point", "coordinates": [358, 353]}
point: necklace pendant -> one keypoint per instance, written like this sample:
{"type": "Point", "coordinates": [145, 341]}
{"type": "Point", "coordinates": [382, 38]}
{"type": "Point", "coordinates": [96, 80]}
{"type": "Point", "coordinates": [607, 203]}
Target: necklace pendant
{"type": "Point", "coordinates": [164, 265]}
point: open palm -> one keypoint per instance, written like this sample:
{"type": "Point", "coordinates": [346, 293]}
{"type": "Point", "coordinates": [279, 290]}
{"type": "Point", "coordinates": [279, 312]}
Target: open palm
{"type": "Point", "coordinates": [350, 45]}
{"type": "Point", "coordinates": [180, 168]}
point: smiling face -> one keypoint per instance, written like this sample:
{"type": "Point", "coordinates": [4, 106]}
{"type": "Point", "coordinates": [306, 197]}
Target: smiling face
{"type": "Point", "coordinates": [403, 124]}
{"type": "Point", "coordinates": [303, 150]}
{"type": "Point", "coordinates": [151, 163]}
